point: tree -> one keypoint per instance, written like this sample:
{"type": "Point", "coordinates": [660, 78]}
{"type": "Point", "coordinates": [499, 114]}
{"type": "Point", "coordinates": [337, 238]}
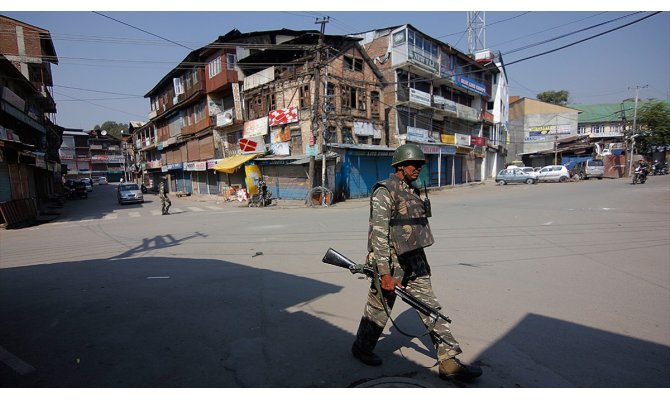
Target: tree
{"type": "Point", "coordinates": [113, 128]}
{"type": "Point", "coordinates": [653, 124]}
{"type": "Point", "coordinates": [559, 98]}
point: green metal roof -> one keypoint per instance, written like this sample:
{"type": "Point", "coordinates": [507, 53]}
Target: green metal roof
{"type": "Point", "coordinates": [592, 113]}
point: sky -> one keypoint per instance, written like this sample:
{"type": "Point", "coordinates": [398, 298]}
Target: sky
{"type": "Point", "coordinates": [108, 60]}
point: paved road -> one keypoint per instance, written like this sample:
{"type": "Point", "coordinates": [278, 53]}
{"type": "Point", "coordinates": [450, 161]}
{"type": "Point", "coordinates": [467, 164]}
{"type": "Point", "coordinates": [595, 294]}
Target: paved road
{"type": "Point", "coordinates": [548, 285]}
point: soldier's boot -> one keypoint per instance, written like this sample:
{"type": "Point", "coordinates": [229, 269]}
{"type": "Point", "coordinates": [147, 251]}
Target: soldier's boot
{"type": "Point", "coordinates": [453, 368]}
{"type": "Point", "coordinates": [366, 340]}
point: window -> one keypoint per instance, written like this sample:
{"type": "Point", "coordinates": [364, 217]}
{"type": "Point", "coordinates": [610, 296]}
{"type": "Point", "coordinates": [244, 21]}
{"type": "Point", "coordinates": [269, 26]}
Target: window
{"type": "Point", "coordinates": [296, 141]}
{"type": "Point", "coordinates": [352, 63]}
{"type": "Point", "coordinates": [270, 102]}
{"type": "Point", "coordinates": [305, 97]}
{"type": "Point", "coordinates": [347, 137]}
{"type": "Point", "coordinates": [399, 38]}
{"type": "Point", "coordinates": [363, 139]}
{"type": "Point", "coordinates": [374, 104]}
{"type": "Point", "coordinates": [361, 99]}
{"type": "Point", "coordinates": [596, 128]}
{"type": "Point", "coordinates": [345, 94]}
{"type": "Point", "coordinates": [214, 67]}
{"type": "Point", "coordinates": [581, 130]}
{"type": "Point", "coordinates": [231, 61]}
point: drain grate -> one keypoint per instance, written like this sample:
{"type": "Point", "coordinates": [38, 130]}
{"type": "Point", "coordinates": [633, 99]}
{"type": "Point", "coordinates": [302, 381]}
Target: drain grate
{"type": "Point", "coordinates": [392, 382]}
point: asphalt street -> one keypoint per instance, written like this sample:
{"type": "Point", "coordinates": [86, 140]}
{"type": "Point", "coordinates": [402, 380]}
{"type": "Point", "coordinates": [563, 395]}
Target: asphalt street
{"type": "Point", "coordinates": [553, 285]}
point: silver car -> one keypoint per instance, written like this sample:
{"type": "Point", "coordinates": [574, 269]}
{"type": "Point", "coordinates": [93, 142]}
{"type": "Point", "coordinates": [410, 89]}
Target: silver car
{"type": "Point", "coordinates": [553, 173]}
{"type": "Point", "coordinates": [129, 193]}
{"type": "Point", "coordinates": [514, 175]}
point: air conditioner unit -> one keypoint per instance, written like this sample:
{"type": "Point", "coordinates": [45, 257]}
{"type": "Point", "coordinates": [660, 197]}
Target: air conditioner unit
{"type": "Point", "coordinates": [225, 118]}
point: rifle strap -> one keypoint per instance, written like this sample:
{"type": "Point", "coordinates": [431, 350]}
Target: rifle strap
{"type": "Point", "coordinates": [376, 278]}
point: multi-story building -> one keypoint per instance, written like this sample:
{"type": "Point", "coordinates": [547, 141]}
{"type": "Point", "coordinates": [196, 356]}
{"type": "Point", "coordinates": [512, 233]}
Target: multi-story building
{"type": "Point", "coordinates": [319, 96]}
{"type": "Point", "coordinates": [196, 114]}
{"type": "Point", "coordinates": [29, 138]}
{"type": "Point", "coordinates": [92, 154]}
{"type": "Point", "coordinates": [538, 131]}
{"type": "Point", "coordinates": [496, 117]}
{"type": "Point", "coordinates": [438, 99]}
{"type": "Point", "coordinates": [200, 116]}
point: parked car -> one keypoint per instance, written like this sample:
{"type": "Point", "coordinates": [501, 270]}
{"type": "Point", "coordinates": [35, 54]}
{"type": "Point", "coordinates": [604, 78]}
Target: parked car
{"type": "Point", "coordinates": [88, 183]}
{"type": "Point", "coordinates": [102, 180]}
{"type": "Point", "coordinates": [129, 193]}
{"type": "Point", "coordinates": [80, 189]}
{"type": "Point", "coordinates": [589, 169]}
{"type": "Point", "coordinates": [553, 173]}
{"type": "Point", "coordinates": [529, 171]}
{"type": "Point", "coordinates": [515, 175]}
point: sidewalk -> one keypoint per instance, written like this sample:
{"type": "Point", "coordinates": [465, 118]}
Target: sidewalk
{"type": "Point", "coordinates": [221, 201]}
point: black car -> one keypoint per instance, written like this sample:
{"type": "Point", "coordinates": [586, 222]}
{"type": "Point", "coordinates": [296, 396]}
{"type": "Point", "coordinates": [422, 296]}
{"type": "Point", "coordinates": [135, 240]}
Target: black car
{"type": "Point", "coordinates": [80, 189]}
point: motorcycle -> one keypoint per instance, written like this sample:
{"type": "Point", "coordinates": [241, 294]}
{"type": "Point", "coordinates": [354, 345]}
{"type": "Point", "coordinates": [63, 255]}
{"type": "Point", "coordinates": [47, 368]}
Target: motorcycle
{"type": "Point", "coordinates": [144, 189]}
{"type": "Point", "coordinates": [263, 198]}
{"type": "Point", "coordinates": [660, 169]}
{"type": "Point", "coordinates": [640, 175]}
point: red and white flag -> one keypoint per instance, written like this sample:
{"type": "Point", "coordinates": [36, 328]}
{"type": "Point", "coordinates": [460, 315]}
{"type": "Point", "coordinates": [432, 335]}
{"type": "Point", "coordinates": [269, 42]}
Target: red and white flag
{"type": "Point", "coordinates": [252, 145]}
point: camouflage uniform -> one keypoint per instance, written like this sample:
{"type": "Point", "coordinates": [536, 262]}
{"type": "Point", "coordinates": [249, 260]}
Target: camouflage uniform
{"type": "Point", "coordinates": [165, 200]}
{"type": "Point", "coordinates": [398, 233]}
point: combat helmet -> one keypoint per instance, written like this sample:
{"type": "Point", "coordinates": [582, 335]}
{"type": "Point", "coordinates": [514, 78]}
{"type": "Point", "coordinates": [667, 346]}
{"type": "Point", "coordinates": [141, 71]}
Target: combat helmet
{"type": "Point", "coordinates": [408, 152]}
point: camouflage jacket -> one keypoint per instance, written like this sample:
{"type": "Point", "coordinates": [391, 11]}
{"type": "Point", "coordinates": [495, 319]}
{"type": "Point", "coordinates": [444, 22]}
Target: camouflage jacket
{"type": "Point", "coordinates": [399, 227]}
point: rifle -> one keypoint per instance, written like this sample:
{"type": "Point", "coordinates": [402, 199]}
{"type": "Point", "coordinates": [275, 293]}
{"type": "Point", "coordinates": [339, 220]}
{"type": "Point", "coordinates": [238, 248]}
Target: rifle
{"type": "Point", "coordinates": [332, 257]}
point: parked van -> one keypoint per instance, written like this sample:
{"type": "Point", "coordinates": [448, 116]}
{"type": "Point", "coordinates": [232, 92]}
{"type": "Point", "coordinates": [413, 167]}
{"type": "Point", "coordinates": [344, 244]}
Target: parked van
{"type": "Point", "coordinates": [589, 169]}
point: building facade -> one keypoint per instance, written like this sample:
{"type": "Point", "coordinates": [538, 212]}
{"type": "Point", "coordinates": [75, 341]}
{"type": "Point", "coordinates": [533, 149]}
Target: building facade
{"type": "Point", "coordinates": [29, 138]}
{"type": "Point", "coordinates": [537, 129]}
{"type": "Point", "coordinates": [438, 99]}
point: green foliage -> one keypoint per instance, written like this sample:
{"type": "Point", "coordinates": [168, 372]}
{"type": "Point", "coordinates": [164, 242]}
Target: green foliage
{"type": "Point", "coordinates": [554, 97]}
{"type": "Point", "coordinates": [113, 128]}
{"type": "Point", "coordinates": [653, 124]}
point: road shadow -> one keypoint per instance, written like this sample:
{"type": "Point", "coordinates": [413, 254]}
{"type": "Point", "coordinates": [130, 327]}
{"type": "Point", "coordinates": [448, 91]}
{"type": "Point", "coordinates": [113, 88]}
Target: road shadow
{"type": "Point", "coordinates": [151, 322]}
{"type": "Point", "coordinates": [544, 352]}
{"type": "Point", "coordinates": [102, 201]}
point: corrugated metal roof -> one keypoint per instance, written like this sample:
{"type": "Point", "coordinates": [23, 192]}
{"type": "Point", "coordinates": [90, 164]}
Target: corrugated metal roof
{"type": "Point", "coordinates": [612, 112]}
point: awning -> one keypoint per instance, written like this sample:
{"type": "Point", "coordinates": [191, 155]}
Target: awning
{"type": "Point", "coordinates": [230, 164]}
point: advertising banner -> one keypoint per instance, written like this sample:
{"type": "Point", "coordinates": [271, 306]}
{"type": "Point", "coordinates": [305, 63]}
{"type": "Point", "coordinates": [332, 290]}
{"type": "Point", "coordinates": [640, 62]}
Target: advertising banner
{"type": "Point", "coordinates": [283, 116]}
{"type": "Point", "coordinates": [255, 128]}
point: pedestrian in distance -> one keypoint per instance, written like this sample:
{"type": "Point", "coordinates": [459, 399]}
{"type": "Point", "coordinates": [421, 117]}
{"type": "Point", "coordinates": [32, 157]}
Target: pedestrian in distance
{"type": "Point", "coordinates": [165, 200]}
{"type": "Point", "coordinates": [398, 233]}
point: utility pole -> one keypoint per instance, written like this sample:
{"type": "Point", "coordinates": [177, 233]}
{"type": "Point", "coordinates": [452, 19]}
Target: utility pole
{"type": "Point", "coordinates": [633, 133]}
{"type": "Point", "coordinates": [316, 105]}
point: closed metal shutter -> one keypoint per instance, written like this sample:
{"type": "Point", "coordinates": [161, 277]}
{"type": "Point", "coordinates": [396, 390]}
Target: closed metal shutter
{"type": "Point", "coordinates": [286, 181]}
{"type": "Point", "coordinates": [362, 172]}
{"type": "Point", "coordinates": [212, 182]}
{"type": "Point", "coordinates": [5, 187]}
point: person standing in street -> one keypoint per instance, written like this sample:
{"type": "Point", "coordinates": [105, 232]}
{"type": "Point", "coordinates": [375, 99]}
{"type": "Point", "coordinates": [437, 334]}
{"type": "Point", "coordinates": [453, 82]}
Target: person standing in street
{"type": "Point", "coordinates": [165, 200]}
{"type": "Point", "coordinates": [398, 233]}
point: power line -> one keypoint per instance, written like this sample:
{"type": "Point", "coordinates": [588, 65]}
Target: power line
{"type": "Point", "coordinates": [583, 40]}
{"type": "Point", "coordinates": [142, 30]}
{"type": "Point", "coordinates": [569, 34]}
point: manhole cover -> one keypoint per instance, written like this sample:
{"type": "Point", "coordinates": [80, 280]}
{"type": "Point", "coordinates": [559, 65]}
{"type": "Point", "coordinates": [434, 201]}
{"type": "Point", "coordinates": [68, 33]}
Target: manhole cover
{"type": "Point", "coordinates": [393, 382]}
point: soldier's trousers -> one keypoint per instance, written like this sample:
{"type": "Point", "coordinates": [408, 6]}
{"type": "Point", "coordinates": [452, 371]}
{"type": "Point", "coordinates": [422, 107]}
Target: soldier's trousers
{"type": "Point", "coordinates": [422, 289]}
{"type": "Point", "coordinates": [165, 205]}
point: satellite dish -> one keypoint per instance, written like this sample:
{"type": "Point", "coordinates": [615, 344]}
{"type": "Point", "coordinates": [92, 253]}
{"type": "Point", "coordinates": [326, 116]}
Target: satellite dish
{"type": "Point", "coordinates": [103, 133]}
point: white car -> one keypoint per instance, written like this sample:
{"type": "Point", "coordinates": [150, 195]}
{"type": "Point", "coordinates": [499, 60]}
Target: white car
{"type": "Point", "coordinates": [553, 173]}
{"type": "Point", "coordinates": [102, 180]}
{"type": "Point", "coordinates": [529, 170]}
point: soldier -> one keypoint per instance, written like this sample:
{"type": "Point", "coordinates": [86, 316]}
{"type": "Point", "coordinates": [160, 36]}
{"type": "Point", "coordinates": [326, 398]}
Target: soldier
{"type": "Point", "coordinates": [397, 236]}
{"type": "Point", "coordinates": [165, 200]}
